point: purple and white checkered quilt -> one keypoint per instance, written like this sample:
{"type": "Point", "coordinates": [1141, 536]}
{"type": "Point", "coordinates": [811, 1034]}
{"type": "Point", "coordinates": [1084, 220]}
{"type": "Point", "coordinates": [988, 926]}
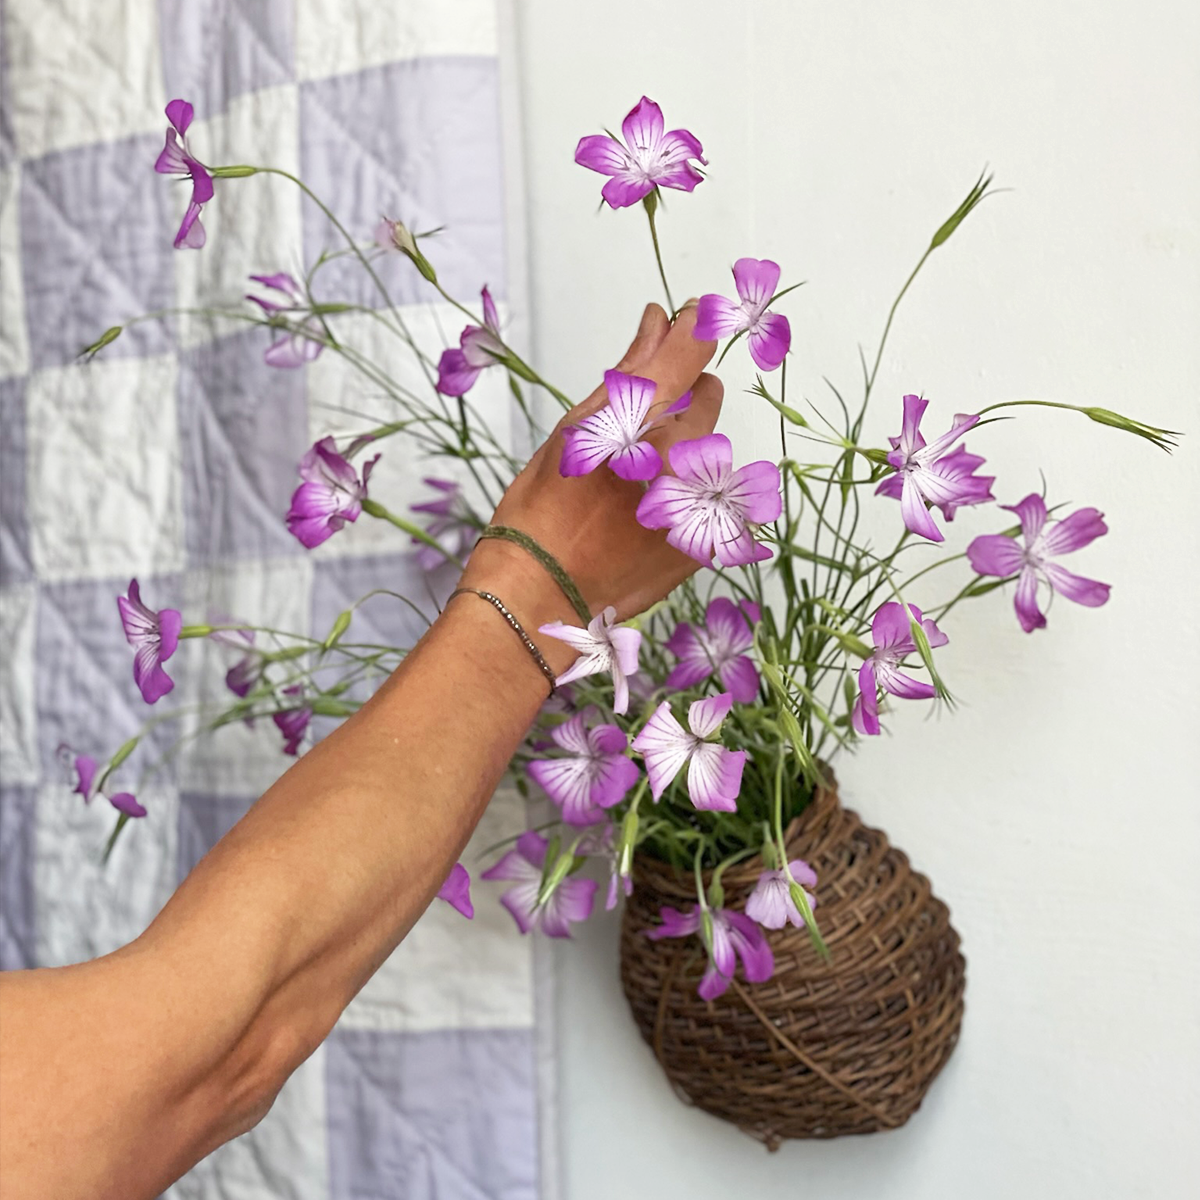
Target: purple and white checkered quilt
{"type": "Point", "coordinates": [172, 457]}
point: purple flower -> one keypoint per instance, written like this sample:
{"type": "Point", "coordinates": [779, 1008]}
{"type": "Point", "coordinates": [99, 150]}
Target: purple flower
{"type": "Point", "coordinates": [154, 636]}
{"type": "Point", "coordinates": [245, 673]}
{"type": "Point", "coordinates": [456, 891]}
{"type": "Point", "coordinates": [479, 347]}
{"type": "Point", "coordinates": [769, 333]}
{"type": "Point", "coordinates": [571, 900]}
{"type": "Point", "coordinates": [614, 433]}
{"type": "Point", "coordinates": [718, 647]}
{"type": "Point", "coordinates": [893, 641]}
{"type": "Point", "coordinates": [330, 495]}
{"type": "Point", "coordinates": [708, 506]}
{"type": "Point", "coordinates": [593, 776]}
{"type": "Point", "coordinates": [926, 474]}
{"type": "Point", "coordinates": [454, 525]}
{"type": "Point", "coordinates": [648, 159]}
{"type": "Point", "coordinates": [734, 935]}
{"type": "Point", "coordinates": [714, 773]}
{"type": "Point", "coordinates": [602, 648]}
{"type": "Point", "coordinates": [293, 722]}
{"type": "Point", "coordinates": [83, 769]}
{"type": "Point", "coordinates": [294, 347]}
{"type": "Point", "coordinates": [995, 554]}
{"type": "Point", "coordinates": [176, 159]}
{"type": "Point", "coordinates": [771, 903]}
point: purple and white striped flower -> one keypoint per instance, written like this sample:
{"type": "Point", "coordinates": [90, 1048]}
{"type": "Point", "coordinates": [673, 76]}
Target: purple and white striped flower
{"type": "Point", "coordinates": [614, 434]}
{"type": "Point", "coordinates": [650, 157]}
{"type": "Point", "coordinates": [771, 903]}
{"type": "Point", "coordinates": [730, 935]}
{"type": "Point", "coordinates": [571, 900]}
{"type": "Point", "coordinates": [479, 347]}
{"type": "Point", "coordinates": [928, 474]}
{"type": "Point", "coordinates": [708, 507]}
{"type": "Point", "coordinates": [299, 344]}
{"type": "Point", "coordinates": [456, 891]}
{"type": "Point", "coordinates": [454, 526]}
{"type": "Point", "coordinates": [714, 772]}
{"type": "Point", "coordinates": [893, 643]}
{"type": "Point", "coordinates": [718, 647]}
{"type": "Point", "coordinates": [995, 554]}
{"type": "Point", "coordinates": [603, 648]}
{"type": "Point", "coordinates": [154, 637]}
{"type": "Point", "coordinates": [330, 495]}
{"type": "Point", "coordinates": [594, 775]}
{"type": "Point", "coordinates": [177, 159]}
{"type": "Point", "coordinates": [768, 333]}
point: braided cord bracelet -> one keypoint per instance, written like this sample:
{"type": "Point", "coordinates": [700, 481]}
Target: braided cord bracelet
{"type": "Point", "coordinates": [564, 581]}
{"type": "Point", "coordinates": [500, 607]}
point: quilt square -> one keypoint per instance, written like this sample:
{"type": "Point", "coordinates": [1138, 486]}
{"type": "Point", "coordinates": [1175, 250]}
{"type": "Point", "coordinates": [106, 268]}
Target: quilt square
{"type": "Point", "coordinates": [14, 340]}
{"type": "Point", "coordinates": [87, 907]}
{"type": "Point", "coordinates": [428, 1116]}
{"type": "Point", "coordinates": [96, 230]}
{"type": "Point", "coordinates": [15, 563]}
{"type": "Point", "coordinates": [243, 428]}
{"type": "Point", "coordinates": [109, 429]}
{"type": "Point", "coordinates": [389, 141]}
{"type": "Point", "coordinates": [18, 934]}
{"type": "Point", "coordinates": [63, 54]}
{"type": "Point", "coordinates": [203, 821]}
{"type": "Point", "coordinates": [329, 44]}
{"type": "Point", "coordinates": [85, 694]}
{"type": "Point", "coordinates": [18, 703]}
{"type": "Point", "coordinates": [214, 50]}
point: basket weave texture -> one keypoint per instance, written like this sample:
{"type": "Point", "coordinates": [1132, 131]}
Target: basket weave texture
{"type": "Point", "coordinates": [824, 1048]}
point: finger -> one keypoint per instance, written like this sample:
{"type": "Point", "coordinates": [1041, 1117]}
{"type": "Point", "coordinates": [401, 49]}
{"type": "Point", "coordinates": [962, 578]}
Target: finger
{"type": "Point", "coordinates": [654, 328]}
{"type": "Point", "coordinates": [678, 361]}
{"type": "Point", "coordinates": [699, 419]}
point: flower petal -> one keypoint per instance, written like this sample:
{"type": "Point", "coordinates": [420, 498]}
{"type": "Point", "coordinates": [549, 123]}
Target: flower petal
{"type": "Point", "coordinates": [756, 279]}
{"type": "Point", "coordinates": [917, 518]}
{"type": "Point", "coordinates": [770, 340]}
{"type": "Point", "coordinates": [180, 113]}
{"type": "Point", "coordinates": [865, 717]}
{"type": "Point", "coordinates": [705, 716]}
{"type": "Point", "coordinates": [456, 376]}
{"type": "Point", "coordinates": [664, 746]}
{"type": "Point", "coordinates": [1032, 512]}
{"type": "Point", "coordinates": [641, 461]}
{"type": "Point", "coordinates": [755, 490]}
{"type": "Point", "coordinates": [995, 554]}
{"type": "Point", "coordinates": [707, 460]}
{"type": "Point", "coordinates": [456, 891]}
{"type": "Point", "coordinates": [715, 777]}
{"type": "Point", "coordinates": [717, 317]}
{"type": "Point", "coordinates": [191, 234]}
{"type": "Point", "coordinates": [739, 676]}
{"type": "Point", "coordinates": [1025, 601]}
{"type": "Point", "coordinates": [623, 190]}
{"type": "Point", "coordinates": [1080, 529]}
{"type": "Point", "coordinates": [643, 127]}
{"type": "Point", "coordinates": [1088, 592]}
{"type": "Point", "coordinates": [599, 152]}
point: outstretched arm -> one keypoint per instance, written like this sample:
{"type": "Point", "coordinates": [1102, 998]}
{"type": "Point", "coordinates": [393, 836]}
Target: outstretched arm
{"type": "Point", "coordinates": [118, 1075]}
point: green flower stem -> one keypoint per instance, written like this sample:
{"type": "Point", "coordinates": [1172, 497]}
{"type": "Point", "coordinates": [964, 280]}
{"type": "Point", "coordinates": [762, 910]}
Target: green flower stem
{"type": "Point", "coordinates": [650, 203]}
{"type": "Point", "coordinates": [375, 509]}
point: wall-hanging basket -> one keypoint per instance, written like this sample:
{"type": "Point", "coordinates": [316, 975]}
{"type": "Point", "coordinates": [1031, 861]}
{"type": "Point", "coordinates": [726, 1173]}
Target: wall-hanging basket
{"type": "Point", "coordinates": [825, 1048]}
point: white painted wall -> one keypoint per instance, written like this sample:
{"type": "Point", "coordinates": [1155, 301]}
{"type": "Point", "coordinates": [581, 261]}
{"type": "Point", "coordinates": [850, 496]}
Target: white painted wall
{"type": "Point", "coordinates": [1057, 811]}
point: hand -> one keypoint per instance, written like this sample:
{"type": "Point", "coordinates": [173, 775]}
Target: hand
{"type": "Point", "coordinates": [588, 522]}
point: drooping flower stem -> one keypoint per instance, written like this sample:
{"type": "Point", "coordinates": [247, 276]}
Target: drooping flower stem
{"type": "Point", "coordinates": [650, 203]}
{"type": "Point", "coordinates": [375, 509]}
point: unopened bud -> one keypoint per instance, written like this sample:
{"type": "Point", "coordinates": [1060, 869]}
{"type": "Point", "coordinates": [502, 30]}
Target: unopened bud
{"type": "Point", "coordinates": [109, 335]}
{"type": "Point", "coordinates": [339, 627]}
{"type": "Point", "coordinates": [325, 706]}
{"type": "Point", "coordinates": [1164, 439]}
{"type": "Point", "coordinates": [122, 754]}
{"type": "Point", "coordinates": [395, 235]}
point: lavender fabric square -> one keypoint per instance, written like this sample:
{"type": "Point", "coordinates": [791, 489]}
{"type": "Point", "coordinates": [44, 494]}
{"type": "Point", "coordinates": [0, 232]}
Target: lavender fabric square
{"type": "Point", "coordinates": [448, 1115]}
{"type": "Point", "coordinates": [214, 50]}
{"type": "Point", "coordinates": [243, 427]}
{"type": "Point", "coordinates": [96, 247]}
{"type": "Point", "coordinates": [203, 821]}
{"type": "Point", "coordinates": [86, 697]}
{"type": "Point", "coordinates": [14, 513]}
{"type": "Point", "coordinates": [391, 140]}
{"type": "Point", "coordinates": [17, 930]}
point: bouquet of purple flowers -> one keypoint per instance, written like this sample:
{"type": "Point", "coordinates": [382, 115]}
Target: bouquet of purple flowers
{"type": "Point", "coordinates": [696, 731]}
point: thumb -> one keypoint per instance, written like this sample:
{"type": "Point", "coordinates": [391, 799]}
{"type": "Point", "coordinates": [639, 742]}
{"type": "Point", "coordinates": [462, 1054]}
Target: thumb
{"type": "Point", "coordinates": [653, 329]}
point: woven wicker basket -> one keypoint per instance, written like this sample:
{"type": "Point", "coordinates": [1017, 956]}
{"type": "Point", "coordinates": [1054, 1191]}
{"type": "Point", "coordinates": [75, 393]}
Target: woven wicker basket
{"type": "Point", "coordinates": [824, 1048]}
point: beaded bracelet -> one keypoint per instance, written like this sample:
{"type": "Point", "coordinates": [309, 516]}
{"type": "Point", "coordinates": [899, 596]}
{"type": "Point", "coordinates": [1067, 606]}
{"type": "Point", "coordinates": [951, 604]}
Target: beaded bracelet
{"type": "Point", "coordinates": [499, 606]}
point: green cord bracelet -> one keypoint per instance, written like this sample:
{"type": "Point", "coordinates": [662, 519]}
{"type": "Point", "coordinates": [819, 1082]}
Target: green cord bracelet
{"type": "Point", "coordinates": [564, 581]}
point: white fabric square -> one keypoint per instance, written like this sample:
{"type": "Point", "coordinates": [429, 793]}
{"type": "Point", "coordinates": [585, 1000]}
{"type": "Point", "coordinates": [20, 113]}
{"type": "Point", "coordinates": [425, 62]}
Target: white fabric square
{"type": "Point", "coordinates": [253, 224]}
{"type": "Point", "coordinates": [344, 402]}
{"type": "Point", "coordinates": [85, 907]}
{"type": "Point", "coordinates": [284, 1157]}
{"type": "Point", "coordinates": [451, 973]}
{"type": "Point", "coordinates": [79, 72]}
{"type": "Point", "coordinates": [18, 707]}
{"type": "Point", "coordinates": [329, 43]}
{"type": "Point", "coordinates": [103, 475]}
{"type": "Point", "coordinates": [14, 339]}
{"type": "Point", "coordinates": [236, 760]}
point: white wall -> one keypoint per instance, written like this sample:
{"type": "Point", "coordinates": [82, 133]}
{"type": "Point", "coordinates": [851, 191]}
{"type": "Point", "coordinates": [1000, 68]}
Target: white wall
{"type": "Point", "coordinates": [1057, 811]}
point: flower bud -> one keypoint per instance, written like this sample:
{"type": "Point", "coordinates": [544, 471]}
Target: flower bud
{"type": "Point", "coordinates": [122, 754]}
{"type": "Point", "coordinates": [325, 706]}
{"type": "Point", "coordinates": [1164, 439]}
{"type": "Point", "coordinates": [396, 235]}
{"type": "Point", "coordinates": [340, 625]}
{"type": "Point", "coordinates": [109, 335]}
{"type": "Point", "coordinates": [956, 218]}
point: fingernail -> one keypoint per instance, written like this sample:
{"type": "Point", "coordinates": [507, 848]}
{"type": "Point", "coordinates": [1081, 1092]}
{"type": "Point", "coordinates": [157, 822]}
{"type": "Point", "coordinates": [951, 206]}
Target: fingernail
{"type": "Point", "coordinates": [692, 303]}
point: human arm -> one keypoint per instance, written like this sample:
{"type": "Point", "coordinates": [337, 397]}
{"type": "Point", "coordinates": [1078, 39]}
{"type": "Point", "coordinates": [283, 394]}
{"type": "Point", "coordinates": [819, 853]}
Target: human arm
{"type": "Point", "coordinates": [117, 1075]}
